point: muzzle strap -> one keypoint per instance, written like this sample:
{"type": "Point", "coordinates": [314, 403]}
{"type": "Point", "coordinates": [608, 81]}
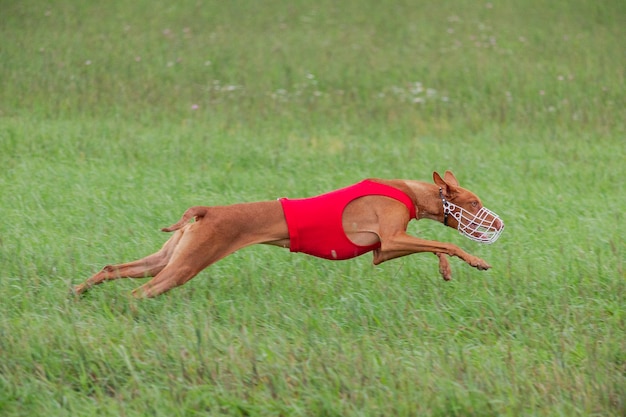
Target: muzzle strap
{"type": "Point", "coordinates": [446, 211]}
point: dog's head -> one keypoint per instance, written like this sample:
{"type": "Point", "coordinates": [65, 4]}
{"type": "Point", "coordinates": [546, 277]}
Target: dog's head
{"type": "Point", "coordinates": [464, 211]}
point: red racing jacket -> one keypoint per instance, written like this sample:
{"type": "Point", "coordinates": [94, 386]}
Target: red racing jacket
{"type": "Point", "coordinates": [315, 224]}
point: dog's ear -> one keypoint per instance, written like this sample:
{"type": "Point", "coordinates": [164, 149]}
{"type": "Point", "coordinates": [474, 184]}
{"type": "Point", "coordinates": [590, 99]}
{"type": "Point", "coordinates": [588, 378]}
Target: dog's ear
{"type": "Point", "coordinates": [450, 179]}
{"type": "Point", "coordinates": [438, 180]}
{"type": "Point", "coordinates": [448, 186]}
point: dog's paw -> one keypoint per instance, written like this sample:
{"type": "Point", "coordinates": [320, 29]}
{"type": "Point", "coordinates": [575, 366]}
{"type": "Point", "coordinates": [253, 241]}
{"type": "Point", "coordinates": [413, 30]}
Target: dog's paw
{"type": "Point", "coordinates": [444, 267]}
{"type": "Point", "coordinates": [446, 273]}
{"type": "Point", "coordinates": [478, 263]}
{"type": "Point", "coordinates": [76, 291]}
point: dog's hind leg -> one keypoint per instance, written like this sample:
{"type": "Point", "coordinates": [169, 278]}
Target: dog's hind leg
{"type": "Point", "coordinates": [170, 277]}
{"type": "Point", "coordinates": [185, 264]}
{"type": "Point", "coordinates": [202, 245]}
{"type": "Point", "coordinates": [146, 267]}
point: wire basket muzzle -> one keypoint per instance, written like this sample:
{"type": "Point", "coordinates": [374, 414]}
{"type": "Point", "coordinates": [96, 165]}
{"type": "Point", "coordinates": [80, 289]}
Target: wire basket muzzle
{"type": "Point", "coordinates": [485, 226]}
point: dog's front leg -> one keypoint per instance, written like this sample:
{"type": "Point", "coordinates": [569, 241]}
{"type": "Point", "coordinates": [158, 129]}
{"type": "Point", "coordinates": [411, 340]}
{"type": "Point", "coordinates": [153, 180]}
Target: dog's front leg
{"type": "Point", "coordinates": [444, 266]}
{"type": "Point", "coordinates": [402, 244]}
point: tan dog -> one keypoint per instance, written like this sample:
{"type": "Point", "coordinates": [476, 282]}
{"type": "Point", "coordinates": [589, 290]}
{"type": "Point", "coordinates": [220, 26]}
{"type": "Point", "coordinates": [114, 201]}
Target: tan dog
{"type": "Point", "coordinates": [370, 216]}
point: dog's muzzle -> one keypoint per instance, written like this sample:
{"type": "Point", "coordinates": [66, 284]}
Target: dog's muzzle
{"type": "Point", "coordinates": [484, 226]}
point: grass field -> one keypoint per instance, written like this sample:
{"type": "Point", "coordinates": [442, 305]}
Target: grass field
{"type": "Point", "coordinates": [117, 116]}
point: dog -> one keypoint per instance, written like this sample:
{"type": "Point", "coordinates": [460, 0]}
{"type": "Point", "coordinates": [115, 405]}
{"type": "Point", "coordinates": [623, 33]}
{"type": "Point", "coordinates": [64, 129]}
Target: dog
{"type": "Point", "coordinates": [370, 216]}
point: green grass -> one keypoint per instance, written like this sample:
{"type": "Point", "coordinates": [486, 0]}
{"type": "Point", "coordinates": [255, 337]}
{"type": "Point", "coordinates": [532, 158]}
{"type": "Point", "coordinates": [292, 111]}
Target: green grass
{"type": "Point", "coordinates": [114, 118]}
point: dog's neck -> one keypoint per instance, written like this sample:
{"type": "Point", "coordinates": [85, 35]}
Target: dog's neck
{"type": "Point", "coordinates": [428, 205]}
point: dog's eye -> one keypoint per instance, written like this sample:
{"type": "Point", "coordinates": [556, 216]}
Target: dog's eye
{"type": "Point", "coordinates": [474, 203]}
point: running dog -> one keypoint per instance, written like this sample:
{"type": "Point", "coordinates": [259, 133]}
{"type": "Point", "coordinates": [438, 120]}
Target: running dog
{"type": "Point", "coordinates": [370, 216]}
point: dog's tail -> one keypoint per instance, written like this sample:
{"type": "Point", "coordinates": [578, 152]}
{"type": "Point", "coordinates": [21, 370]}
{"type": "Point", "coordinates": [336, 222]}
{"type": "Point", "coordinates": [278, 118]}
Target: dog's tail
{"type": "Point", "coordinates": [196, 212]}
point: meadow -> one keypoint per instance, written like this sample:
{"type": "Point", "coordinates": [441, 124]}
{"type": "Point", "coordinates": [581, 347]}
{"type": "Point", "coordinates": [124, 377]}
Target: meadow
{"type": "Point", "coordinates": [117, 116]}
